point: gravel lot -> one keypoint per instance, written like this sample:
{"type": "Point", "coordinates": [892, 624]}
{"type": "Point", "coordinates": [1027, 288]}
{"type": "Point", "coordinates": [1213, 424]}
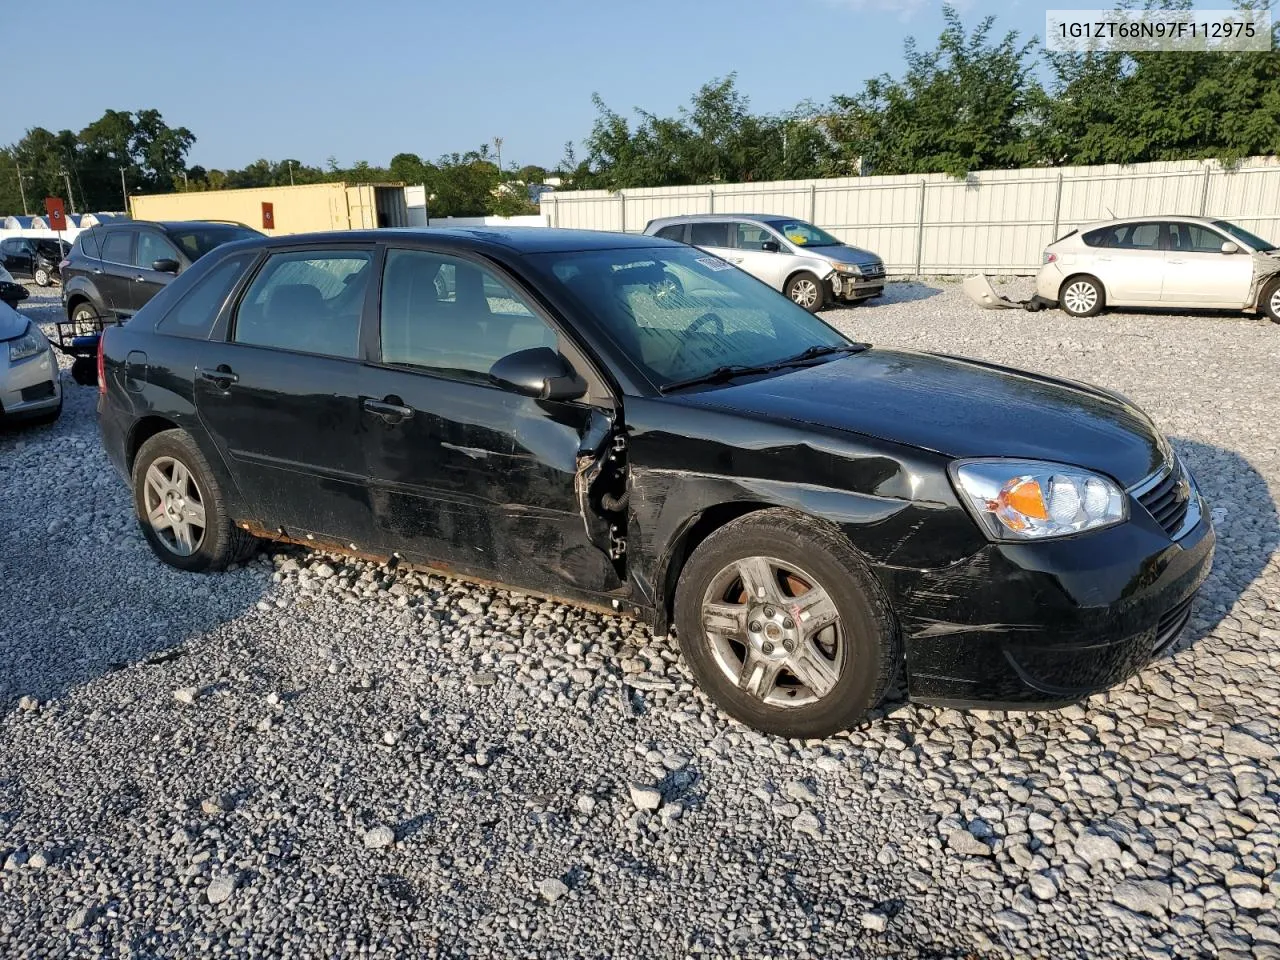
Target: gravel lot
{"type": "Point", "coordinates": [311, 756]}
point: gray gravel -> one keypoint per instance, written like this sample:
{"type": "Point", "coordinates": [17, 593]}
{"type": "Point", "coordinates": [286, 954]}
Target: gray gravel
{"type": "Point", "coordinates": [314, 756]}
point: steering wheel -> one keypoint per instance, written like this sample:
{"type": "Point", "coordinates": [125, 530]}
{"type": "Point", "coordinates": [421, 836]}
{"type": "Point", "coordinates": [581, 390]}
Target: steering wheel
{"type": "Point", "coordinates": [706, 318]}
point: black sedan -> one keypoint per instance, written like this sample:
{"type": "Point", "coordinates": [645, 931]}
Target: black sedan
{"type": "Point", "coordinates": [633, 424]}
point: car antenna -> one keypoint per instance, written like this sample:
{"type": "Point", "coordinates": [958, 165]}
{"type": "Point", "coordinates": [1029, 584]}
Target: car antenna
{"type": "Point", "coordinates": [1110, 213]}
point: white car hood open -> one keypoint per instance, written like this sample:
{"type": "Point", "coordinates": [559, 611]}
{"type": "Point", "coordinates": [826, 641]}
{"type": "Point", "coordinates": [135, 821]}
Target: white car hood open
{"type": "Point", "coordinates": [12, 323]}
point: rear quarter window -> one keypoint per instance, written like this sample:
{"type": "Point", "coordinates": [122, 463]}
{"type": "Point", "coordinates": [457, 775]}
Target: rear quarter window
{"type": "Point", "coordinates": [195, 312]}
{"type": "Point", "coordinates": [87, 243]}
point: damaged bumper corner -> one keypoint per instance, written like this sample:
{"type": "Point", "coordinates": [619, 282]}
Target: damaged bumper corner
{"type": "Point", "coordinates": [979, 289]}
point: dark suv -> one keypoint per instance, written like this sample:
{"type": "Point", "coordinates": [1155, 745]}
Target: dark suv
{"type": "Point", "coordinates": [114, 269]}
{"type": "Point", "coordinates": [33, 258]}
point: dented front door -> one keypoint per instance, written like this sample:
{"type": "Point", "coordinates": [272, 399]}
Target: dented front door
{"type": "Point", "coordinates": [489, 482]}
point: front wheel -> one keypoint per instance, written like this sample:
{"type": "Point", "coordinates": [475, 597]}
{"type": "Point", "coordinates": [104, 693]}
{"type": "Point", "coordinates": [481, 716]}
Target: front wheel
{"type": "Point", "coordinates": [180, 507]}
{"type": "Point", "coordinates": [783, 626]}
{"type": "Point", "coordinates": [1271, 301]}
{"type": "Point", "coordinates": [805, 290]}
{"type": "Point", "coordinates": [1081, 297]}
{"type": "Point", "coordinates": [42, 277]}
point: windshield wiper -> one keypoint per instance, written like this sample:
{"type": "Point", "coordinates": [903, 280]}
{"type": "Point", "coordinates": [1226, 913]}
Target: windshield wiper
{"type": "Point", "coordinates": [728, 372]}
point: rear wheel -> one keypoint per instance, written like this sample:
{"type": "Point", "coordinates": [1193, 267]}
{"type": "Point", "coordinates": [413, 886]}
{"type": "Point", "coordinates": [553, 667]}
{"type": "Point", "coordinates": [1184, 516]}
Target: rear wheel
{"type": "Point", "coordinates": [180, 507]}
{"type": "Point", "coordinates": [805, 290]}
{"type": "Point", "coordinates": [42, 277]}
{"type": "Point", "coordinates": [1081, 296]}
{"type": "Point", "coordinates": [85, 318]}
{"type": "Point", "coordinates": [784, 627]}
{"type": "Point", "coordinates": [1271, 301]}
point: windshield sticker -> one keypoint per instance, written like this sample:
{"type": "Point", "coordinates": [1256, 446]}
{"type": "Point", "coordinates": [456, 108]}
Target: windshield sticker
{"type": "Point", "coordinates": [715, 263]}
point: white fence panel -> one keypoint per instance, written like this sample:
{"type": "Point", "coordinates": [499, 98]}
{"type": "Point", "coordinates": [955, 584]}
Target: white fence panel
{"type": "Point", "coordinates": [995, 222]}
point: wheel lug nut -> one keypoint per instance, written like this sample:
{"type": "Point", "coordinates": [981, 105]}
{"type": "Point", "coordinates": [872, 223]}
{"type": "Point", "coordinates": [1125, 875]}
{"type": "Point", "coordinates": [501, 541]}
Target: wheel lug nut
{"type": "Point", "coordinates": [788, 645]}
{"type": "Point", "coordinates": [767, 648]}
{"type": "Point", "coordinates": [788, 624]}
{"type": "Point", "coordinates": [768, 612]}
{"type": "Point", "coordinates": [754, 626]}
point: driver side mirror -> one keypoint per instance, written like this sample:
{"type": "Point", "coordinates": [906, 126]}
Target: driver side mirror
{"type": "Point", "coordinates": [538, 372]}
{"type": "Point", "coordinates": [1229, 247]}
{"type": "Point", "coordinates": [165, 265]}
{"type": "Point", "coordinates": [771, 246]}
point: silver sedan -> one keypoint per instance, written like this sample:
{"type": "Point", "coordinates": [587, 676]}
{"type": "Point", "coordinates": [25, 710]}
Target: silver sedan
{"type": "Point", "coordinates": [29, 386]}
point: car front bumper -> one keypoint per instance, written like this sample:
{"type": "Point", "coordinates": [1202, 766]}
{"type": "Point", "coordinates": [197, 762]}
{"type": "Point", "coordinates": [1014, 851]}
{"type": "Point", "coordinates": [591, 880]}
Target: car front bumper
{"type": "Point", "coordinates": [852, 288]}
{"type": "Point", "coordinates": [1023, 625]}
{"type": "Point", "coordinates": [29, 388]}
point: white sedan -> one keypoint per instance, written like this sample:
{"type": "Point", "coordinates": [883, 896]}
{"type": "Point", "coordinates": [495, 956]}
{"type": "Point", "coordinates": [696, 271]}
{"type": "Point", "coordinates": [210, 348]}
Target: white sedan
{"type": "Point", "coordinates": [1179, 262]}
{"type": "Point", "coordinates": [29, 386]}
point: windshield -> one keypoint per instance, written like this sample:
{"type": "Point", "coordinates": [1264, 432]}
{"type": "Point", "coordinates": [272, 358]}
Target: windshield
{"type": "Point", "coordinates": [197, 241]}
{"type": "Point", "coordinates": [804, 234]}
{"type": "Point", "coordinates": [1244, 236]}
{"type": "Point", "coordinates": [679, 313]}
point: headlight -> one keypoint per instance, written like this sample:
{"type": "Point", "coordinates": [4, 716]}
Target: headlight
{"type": "Point", "coordinates": [848, 268]}
{"type": "Point", "coordinates": [27, 345]}
{"type": "Point", "coordinates": [1034, 500]}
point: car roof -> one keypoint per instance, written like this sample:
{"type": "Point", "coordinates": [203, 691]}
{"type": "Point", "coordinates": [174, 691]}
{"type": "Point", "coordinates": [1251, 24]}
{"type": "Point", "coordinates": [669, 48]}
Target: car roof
{"type": "Point", "coordinates": [1174, 217]}
{"type": "Point", "coordinates": [696, 217]}
{"type": "Point", "coordinates": [497, 238]}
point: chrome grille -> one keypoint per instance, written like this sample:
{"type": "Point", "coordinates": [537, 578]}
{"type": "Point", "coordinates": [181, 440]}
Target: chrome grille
{"type": "Point", "coordinates": [1168, 499]}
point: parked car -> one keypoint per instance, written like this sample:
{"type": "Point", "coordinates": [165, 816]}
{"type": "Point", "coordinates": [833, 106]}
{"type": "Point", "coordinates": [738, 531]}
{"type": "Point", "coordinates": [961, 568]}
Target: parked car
{"type": "Point", "coordinates": [540, 408]}
{"type": "Point", "coordinates": [1172, 262]}
{"type": "Point", "coordinates": [29, 387]}
{"type": "Point", "coordinates": [115, 268]}
{"type": "Point", "coordinates": [12, 293]}
{"type": "Point", "coordinates": [33, 258]}
{"type": "Point", "coordinates": [809, 265]}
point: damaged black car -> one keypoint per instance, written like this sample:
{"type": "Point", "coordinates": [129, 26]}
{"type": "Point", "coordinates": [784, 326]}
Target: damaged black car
{"type": "Point", "coordinates": [632, 424]}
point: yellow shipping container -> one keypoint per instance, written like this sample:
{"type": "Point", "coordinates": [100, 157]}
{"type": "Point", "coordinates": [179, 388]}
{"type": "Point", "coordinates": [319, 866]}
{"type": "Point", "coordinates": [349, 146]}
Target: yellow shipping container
{"type": "Point", "coordinates": [301, 209]}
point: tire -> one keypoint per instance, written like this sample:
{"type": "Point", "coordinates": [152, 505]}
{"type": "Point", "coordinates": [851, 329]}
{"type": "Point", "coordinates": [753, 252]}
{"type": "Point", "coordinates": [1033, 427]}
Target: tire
{"type": "Point", "coordinates": [1271, 300]}
{"type": "Point", "coordinates": [41, 277]}
{"type": "Point", "coordinates": [1081, 296]}
{"type": "Point", "coordinates": [805, 290]}
{"type": "Point", "coordinates": [84, 314]}
{"type": "Point", "coordinates": [211, 547]}
{"type": "Point", "coordinates": [853, 654]}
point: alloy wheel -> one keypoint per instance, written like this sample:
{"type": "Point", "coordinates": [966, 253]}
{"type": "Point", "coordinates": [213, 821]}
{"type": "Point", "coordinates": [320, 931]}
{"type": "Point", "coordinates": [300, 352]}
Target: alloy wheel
{"type": "Point", "coordinates": [174, 505]}
{"type": "Point", "coordinates": [1275, 302]}
{"type": "Point", "coordinates": [1080, 297]}
{"type": "Point", "coordinates": [774, 631]}
{"type": "Point", "coordinates": [42, 277]}
{"type": "Point", "coordinates": [804, 292]}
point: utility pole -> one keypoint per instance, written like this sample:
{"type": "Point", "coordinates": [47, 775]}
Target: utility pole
{"type": "Point", "coordinates": [22, 190]}
{"type": "Point", "coordinates": [124, 191]}
{"type": "Point", "coordinates": [497, 142]}
{"type": "Point", "coordinates": [186, 182]}
{"type": "Point", "coordinates": [71, 201]}
{"type": "Point", "coordinates": [291, 173]}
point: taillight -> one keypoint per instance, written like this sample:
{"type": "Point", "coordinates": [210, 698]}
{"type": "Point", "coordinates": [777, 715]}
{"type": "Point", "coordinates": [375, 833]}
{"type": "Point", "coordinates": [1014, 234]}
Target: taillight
{"type": "Point", "coordinates": [1050, 257]}
{"type": "Point", "coordinates": [102, 364]}
{"type": "Point", "coordinates": [63, 264]}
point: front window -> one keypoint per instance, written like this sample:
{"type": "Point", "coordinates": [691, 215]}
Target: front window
{"type": "Point", "coordinates": [1244, 236]}
{"type": "Point", "coordinates": [682, 314]}
{"type": "Point", "coordinates": [804, 234]}
{"type": "Point", "coordinates": [197, 241]}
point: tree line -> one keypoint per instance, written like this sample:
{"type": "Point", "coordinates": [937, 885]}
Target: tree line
{"type": "Point", "coordinates": [976, 100]}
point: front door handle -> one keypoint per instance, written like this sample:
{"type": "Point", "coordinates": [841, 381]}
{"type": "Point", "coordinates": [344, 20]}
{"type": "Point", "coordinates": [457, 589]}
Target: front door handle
{"type": "Point", "coordinates": [221, 378]}
{"type": "Point", "coordinates": [139, 279]}
{"type": "Point", "coordinates": [390, 409]}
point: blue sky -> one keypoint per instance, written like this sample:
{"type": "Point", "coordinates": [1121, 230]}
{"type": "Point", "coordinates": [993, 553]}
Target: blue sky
{"type": "Point", "coordinates": [362, 81]}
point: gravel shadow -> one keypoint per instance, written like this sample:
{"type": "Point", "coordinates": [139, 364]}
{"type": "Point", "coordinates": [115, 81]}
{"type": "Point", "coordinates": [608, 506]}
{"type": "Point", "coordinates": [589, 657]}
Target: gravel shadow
{"type": "Point", "coordinates": [1245, 519]}
{"type": "Point", "coordinates": [901, 291]}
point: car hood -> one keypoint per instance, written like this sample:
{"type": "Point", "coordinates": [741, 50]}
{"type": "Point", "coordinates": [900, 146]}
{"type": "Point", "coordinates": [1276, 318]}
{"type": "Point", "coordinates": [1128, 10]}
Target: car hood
{"type": "Point", "coordinates": [12, 323]}
{"type": "Point", "coordinates": [841, 254]}
{"type": "Point", "coordinates": [959, 408]}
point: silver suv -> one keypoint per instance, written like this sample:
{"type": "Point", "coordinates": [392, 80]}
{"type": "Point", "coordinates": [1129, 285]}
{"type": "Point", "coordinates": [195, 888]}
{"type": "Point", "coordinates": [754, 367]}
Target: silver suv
{"type": "Point", "coordinates": [809, 265]}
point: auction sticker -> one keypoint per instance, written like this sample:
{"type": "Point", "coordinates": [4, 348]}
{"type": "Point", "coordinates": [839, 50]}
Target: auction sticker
{"type": "Point", "coordinates": [715, 263]}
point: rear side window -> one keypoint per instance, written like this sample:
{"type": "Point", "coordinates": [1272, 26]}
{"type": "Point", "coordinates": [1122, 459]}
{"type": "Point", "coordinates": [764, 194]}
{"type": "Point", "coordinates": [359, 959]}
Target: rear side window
{"type": "Point", "coordinates": [452, 317]}
{"type": "Point", "coordinates": [709, 234]}
{"type": "Point", "coordinates": [194, 315]}
{"type": "Point", "coordinates": [117, 247]}
{"type": "Point", "coordinates": [87, 243]}
{"type": "Point", "coordinates": [1125, 236]}
{"type": "Point", "coordinates": [673, 232]}
{"type": "Point", "coordinates": [308, 302]}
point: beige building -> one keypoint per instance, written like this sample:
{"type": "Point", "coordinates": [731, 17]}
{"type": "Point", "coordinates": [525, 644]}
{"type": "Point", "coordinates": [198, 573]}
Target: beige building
{"type": "Point", "coordinates": [280, 210]}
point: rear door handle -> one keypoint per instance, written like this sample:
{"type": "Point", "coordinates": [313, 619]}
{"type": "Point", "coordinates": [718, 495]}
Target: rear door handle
{"type": "Point", "coordinates": [391, 409]}
{"type": "Point", "coordinates": [222, 378]}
